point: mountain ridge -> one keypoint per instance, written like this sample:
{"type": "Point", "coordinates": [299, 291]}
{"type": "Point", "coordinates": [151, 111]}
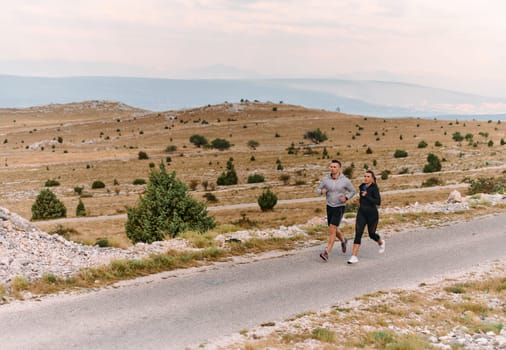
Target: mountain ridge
{"type": "Point", "coordinates": [361, 97]}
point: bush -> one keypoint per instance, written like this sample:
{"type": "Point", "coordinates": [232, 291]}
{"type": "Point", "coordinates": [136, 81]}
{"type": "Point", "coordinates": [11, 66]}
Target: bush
{"type": "Point", "coordinates": [487, 185]}
{"type": "Point", "coordinates": [285, 178]}
{"type": "Point", "coordinates": [457, 136]}
{"type": "Point", "coordinates": [198, 140]}
{"type": "Point", "coordinates": [385, 174]}
{"type": "Point", "coordinates": [253, 144]}
{"type": "Point", "coordinates": [210, 197]}
{"type": "Point", "coordinates": [142, 155]}
{"type": "Point", "coordinates": [78, 190]}
{"type": "Point", "coordinates": [139, 182]}
{"type": "Point", "coordinates": [220, 144]}
{"type": "Point", "coordinates": [348, 171]}
{"type": "Point", "coordinates": [399, 153]}
{"type": "Point", "coordinates": [255, 178]}
{"type": "Point", "coordinates": [432, 181]}
{"type": "Point", "coordinates": [166, 209]}
{"type": "Point", "coordinates": [171, 148]}
{"type": "Point", "coordinates": [422, 144]}
{"type": "Point", "coordinates": [97, 184]}
{"type": "Point", "coordinates": [433, 165]}
{"type": "Point", "coordinates": [51, 183]}
{"type": "Point", "coordinates": [317, 136]}
{"type": "Point", "coordinates": [80, 209]}
{"type": "Point", "coordinates": [48, 206]}
{"type": "Point", "coordinates": [368, 150]}
{"type": "Point", "coordinates": [267, 200]}
{"type": "Point", "coordinates": [228, 177]}
{"type": "Point", "coordinates": [102, 242]}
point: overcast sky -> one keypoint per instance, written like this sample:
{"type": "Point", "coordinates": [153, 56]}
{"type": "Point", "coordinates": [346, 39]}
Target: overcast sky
{"type": "Point", "coordinates": [455, 44]}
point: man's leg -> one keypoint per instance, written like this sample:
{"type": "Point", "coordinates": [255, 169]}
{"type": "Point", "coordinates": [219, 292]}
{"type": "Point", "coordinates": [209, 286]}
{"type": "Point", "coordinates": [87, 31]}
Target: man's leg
{"type": "Point", "coordinates": [332, 237]}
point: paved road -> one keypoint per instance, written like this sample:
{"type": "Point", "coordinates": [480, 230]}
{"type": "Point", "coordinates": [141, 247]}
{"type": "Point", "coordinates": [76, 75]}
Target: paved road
{"type": "Point", "coordinates": [176, 312]}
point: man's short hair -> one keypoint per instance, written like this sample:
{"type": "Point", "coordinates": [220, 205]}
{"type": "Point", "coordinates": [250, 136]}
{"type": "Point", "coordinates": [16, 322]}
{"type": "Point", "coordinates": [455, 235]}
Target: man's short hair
{"type": "Point", "coordinates": [336, 161]}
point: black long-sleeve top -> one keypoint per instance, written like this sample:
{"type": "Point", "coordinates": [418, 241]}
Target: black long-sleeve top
{"type": "Point", "coordinates": [372, 199]}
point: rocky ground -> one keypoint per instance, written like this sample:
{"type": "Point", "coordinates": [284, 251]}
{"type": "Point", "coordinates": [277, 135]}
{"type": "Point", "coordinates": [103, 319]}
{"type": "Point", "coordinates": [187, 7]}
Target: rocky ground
{"type": "Point", "coordinates": [435, 315]}
{"type": "Point", "coordinates": [27, 251]}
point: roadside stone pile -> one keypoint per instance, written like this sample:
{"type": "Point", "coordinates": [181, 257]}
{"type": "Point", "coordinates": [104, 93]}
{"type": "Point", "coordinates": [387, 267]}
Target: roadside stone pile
{"type": "Point", "coordinates": [29, 252]}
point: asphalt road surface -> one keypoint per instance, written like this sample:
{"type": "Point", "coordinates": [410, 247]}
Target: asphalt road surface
{"type": "Point", "coordinates": [174, 311]}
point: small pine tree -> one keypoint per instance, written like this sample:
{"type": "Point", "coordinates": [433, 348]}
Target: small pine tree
{"type": "Point", "coordinates": [48, 206]}
{"type": "Point", "coordinates": [166, 209]}
{"type": "Point", "coordinates": [433, 165]}
{"type": "Point", "coordinates": [228, 177]}
{"type": "Point", "coordinates": [80, 209]}
{"type": "Point", "coordinates": [267, 200]}
{"type": "Point", "coordinates": [325, 153]}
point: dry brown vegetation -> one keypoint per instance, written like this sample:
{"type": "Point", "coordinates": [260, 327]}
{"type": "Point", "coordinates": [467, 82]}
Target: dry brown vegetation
{"type": "Point", "coordinates": [79, 143]}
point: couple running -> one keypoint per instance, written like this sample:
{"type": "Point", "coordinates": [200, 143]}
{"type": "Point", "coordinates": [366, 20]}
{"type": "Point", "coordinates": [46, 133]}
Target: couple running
{"type": "Point", "coordinates": [338, 190]}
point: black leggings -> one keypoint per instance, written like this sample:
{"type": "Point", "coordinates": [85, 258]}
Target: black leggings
{"type": "Point", "coordinates": [369, 218]}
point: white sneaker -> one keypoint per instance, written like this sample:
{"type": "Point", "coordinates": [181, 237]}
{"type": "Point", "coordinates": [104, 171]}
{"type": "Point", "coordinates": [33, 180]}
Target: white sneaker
{"type": "Point", "coordinates": [353, 260]}
{"type": "Point", "coordinates": [382, 246]}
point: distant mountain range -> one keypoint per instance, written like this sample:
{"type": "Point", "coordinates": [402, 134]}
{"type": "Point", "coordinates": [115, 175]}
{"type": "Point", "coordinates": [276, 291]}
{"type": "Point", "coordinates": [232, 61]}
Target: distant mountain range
{"type": "Point", "coordinates": [370, 98]}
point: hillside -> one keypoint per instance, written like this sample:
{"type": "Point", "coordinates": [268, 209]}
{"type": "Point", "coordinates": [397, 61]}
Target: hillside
{"type": "Point", "coordinates": [79, 143]}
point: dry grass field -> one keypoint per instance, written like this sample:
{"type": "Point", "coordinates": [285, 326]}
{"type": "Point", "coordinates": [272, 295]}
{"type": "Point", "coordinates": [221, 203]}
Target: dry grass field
{"type": "Point", "coordinates": [77, 144]}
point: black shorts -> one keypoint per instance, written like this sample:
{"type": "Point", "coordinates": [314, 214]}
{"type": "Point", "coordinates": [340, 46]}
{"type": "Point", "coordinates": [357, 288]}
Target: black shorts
{"type": "Point", "coordinates": [334, 215]}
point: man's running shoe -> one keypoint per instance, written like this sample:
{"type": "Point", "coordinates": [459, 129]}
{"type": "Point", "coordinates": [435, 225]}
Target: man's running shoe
{"type": "Point", "coordinates": [324, 256]}
{"type": "Point", "coordinates": [343, 245]}
{"type": "Point", "coordinates": [382, 246]}
{"type": "Point", "coordinates": [353, 260]}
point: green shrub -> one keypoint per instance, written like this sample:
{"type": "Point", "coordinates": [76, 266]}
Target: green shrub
{"type": "Point", "coordinates": [487, 185]}
{"type": "Point", "coordinates": [80, 209]}
{"type": "Point", "coordinates": [368, 150]}
{"type": "Point", "coordinates": [220, 144]}
{"type": "Point", "coordinates": [255, 178]}
{"type": "Point", "coordinates": [399, 153]}
{"type": "Point", "coordinates": [51, 183]}
{"type": "Point", "coordinates": [210, 197]}
{"type": "Point", "coordinates": [78, 190]}
{"type": "Point", "coordinates": [142, 155]}
{"type": "Point", "coordinates": [348, 171]}
{"type": "Point", "coordinates": [385, 174]}
{"type": "Point", "coordinates": [267, 200]}
{"type": "Point", "coordinates": [317, 136]}
{"type": "Point", "coordinates": [171, 148]}
{"type": "Point", "coordinates": [422, 144]}
{"type": "Point", "coordinates": [102, 242]}
{"type": "Point", "coordinates": [97, 184]}
{"type": "Point", "coordinates": [457, 136]}
{"type": "Point", "coordinates": [228, 177]}
{"type": "Point", "coordinates": [166, 209]}
{"type": "Point", "coordinates": [438, 144]}
{"type": "Point", "coordinates": [433, 165]}
{"type": "Point", "coordinates": [139, 182]}
{"type": "Point", "coordinates": [48, 206]}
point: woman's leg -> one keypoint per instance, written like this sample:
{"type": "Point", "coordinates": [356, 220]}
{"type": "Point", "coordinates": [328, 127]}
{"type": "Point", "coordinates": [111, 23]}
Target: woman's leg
{"type": "Point", "coordinates": [360, 223]}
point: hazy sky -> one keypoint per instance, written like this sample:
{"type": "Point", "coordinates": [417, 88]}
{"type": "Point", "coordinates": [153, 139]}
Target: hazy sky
{"type": "Point", "coordinates": [456, 44]}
